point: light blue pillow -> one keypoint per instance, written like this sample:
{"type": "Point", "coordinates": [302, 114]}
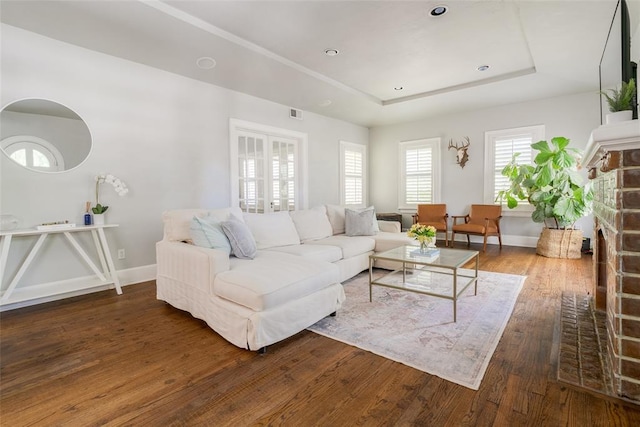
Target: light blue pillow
{"type": "Point", "coordinates": [207, 232]}
{"type": "Point", "coordinates": [243, 245]}
{"type": "Point", "coordinates": [361, 222]}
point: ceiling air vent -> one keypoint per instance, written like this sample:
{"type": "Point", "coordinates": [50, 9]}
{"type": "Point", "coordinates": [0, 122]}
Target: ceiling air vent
{"type": "Point", "coordinates": [294, 113]}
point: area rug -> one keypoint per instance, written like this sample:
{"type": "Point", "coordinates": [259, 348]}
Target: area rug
{"type": "Point", "coordinates": [419, 331]}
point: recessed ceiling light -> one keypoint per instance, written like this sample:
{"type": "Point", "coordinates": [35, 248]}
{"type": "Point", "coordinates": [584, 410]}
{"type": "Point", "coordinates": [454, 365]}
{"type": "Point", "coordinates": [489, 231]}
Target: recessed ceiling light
{"type": "Point", "coordinates": [398, 88]}
{"type": "Point", "coordinates": [331, 52]}
{"type": "Point", "coordinates": [483, 68]}
{"type": "Point", "coordinates": [438, 11]}
{"type": "Point", "coordinates": [206, 62]}
{"type": "Point", "coordinates": [325, 103]}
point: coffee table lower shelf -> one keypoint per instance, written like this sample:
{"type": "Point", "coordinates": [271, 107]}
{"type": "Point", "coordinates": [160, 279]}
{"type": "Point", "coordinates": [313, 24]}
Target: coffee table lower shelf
{"type": "Point", "coordinates": [439, 279]}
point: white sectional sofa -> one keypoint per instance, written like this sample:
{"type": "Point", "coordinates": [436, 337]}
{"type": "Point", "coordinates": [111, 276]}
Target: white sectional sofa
{"type": "Point", "coordinates": [292, 281]}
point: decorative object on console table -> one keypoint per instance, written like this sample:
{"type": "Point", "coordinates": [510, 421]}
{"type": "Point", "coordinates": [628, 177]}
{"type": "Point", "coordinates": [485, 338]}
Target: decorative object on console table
{"type": "Point", "coordinates": [87, 215]}
{"type": "Point", "coordinates": [8, 222]}
{"type": "Point", "coordinates": [118, 185]}
{"type": "Point", "coordinates": [98, 219]}
{"type": "Point", "coordinates": [58, 225]}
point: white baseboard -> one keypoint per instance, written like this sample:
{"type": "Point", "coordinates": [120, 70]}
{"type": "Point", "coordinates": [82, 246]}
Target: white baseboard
{"type": "Point", "coordinates": [52, 291]}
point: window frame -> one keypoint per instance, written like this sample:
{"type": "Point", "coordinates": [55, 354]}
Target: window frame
{"type": "Point", "coordinates": [403, 146]}
{"type": "Point", "coordinates": [536, 133]}
{"type": "Point", "coordinates": [362, 150]}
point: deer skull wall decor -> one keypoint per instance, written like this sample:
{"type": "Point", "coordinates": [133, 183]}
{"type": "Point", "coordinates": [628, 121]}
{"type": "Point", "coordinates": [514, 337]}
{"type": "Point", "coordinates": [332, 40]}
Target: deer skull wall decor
{"type": "Point", "coordinates": [461, 152]}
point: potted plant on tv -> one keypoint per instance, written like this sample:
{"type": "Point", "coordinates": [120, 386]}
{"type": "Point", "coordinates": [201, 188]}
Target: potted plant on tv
{"type": "Point", "coordinates": [620, 102]}
{"type": "Point", "coordinates": [553, 186]}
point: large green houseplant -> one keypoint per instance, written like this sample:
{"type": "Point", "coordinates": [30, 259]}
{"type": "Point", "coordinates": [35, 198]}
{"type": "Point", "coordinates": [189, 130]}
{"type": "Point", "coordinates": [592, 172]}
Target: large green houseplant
{"type": "Point", "coordinates": [553, 186]}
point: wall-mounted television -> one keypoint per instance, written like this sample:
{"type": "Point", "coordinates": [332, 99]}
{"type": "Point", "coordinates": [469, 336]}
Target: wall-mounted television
{"type": "Point", "coordinates": [616, 64]}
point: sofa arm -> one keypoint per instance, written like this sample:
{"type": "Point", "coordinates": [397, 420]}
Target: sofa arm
{"type": "Point", "coordinates": [389, 226]}
{"type": "Point", "coordinates": [188, 263]}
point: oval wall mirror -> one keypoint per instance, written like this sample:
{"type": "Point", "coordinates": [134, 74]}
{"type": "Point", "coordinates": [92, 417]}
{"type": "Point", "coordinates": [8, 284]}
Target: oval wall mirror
{"type": "Point", "coordinates": [43, 135]}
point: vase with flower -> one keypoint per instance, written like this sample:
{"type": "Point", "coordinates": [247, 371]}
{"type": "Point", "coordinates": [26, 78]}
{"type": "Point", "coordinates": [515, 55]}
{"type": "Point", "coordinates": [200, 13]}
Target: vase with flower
{"type": "Point", "coordinates": [119, 186]}
{"type": "Point", "coordinates": [425, 234]}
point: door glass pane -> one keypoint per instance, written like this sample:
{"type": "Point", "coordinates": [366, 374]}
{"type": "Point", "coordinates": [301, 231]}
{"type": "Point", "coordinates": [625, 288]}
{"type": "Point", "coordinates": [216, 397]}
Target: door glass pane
{"type": "Point", "coordinates": [250, 167]}
{"type": "Point", "coordinates": [283, 174]}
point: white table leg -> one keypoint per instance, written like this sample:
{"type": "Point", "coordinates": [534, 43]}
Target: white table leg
{"type": "Point", "coordinates": [4, 255]}
{"type": "Point", "coordinates": [98, 246]}
{"type": "Point", "coordinates": [24, 266]}
{"type": "Point", "coordinates": [110, 264]}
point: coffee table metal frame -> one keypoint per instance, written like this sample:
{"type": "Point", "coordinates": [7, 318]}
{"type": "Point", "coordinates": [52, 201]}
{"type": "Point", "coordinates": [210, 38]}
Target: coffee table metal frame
{"type": "Point", "coordinates": [448, 260]}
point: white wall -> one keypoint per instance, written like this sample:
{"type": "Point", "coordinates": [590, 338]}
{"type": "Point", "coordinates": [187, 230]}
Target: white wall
{"type": "Point", "coordinates": [166, 136]}
{"type": "Point", "coordinates": [571, 116]}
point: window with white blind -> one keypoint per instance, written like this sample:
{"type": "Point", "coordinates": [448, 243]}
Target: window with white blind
{"type": "Point", "coordinates": [419, 172]}
{"type": "Point", "coordinates": [353, 177]}
{"type": "Point", "coordinates": [500, 146]}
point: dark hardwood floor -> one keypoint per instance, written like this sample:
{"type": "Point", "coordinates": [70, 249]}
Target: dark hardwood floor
{"type": "Point", "coordinates": [103, 359]}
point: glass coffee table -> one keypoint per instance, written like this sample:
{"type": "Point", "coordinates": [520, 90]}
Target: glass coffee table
{"type": "Point", "coordinates": [438, 276]}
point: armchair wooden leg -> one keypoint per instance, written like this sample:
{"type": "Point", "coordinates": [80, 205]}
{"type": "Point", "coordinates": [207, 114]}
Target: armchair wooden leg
{"type": "Point", "coordinates": [484, 246]}
{"type": "Point", "coordinates": [500, 240]}
{"type": "Point", "coordinates": [453, 238]}
{"type": "Point", "coordinates": [468, 241]}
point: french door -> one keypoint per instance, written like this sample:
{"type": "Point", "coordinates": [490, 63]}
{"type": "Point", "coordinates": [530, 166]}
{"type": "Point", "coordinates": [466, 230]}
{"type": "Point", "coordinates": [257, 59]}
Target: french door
{"type": "Point", "coordinates": [267, 177]}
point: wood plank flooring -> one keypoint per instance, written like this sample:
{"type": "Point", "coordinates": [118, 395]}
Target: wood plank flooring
{"type": "Point", "coordinates": [103, 359]}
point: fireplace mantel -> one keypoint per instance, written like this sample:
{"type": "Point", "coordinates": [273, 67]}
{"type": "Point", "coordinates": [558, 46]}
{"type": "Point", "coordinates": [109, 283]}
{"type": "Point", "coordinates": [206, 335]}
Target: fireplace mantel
{"type": "Point", "coordinates": [611, 137]}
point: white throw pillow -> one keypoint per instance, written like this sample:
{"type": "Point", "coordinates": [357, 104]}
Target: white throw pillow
{"type": "Point", "coordinates": [312, 224]}
{"type": "Point", "coordinates": [361, 222]}
{"type": "Point", "coordinates": [336, 217]}
{"type": "Point", "coordinates": [207, 232]}
{"type": "Point", "coordinates": [272, 229]}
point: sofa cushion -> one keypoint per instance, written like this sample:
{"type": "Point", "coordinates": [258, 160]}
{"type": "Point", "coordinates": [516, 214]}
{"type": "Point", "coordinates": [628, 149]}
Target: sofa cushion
{"type": "Point", "coordinates": [336, 216]}
{"type": "Point", "coordinates": [207, 232]}
{"type": "Point", "coordinates": [350, 246]}
{"type": "Point", "coordinates": [272, 279]}
{"type": "Point", "coordinates": [177, 222]}
{"type": "Point", "coordinates": [361, 222]}
{"type": "Point", "coordinates": [390, 226]}
{"type": "Point", "coordinates": [312, 224]}
{"type": "Point", "coordinates": [272, 229]}
{"type": "Point", "coordinates": [242, 243]}
{"type": "Point", "coordinates": [387, 241]}
{"type": "Point", "coordinates": [326, 253]}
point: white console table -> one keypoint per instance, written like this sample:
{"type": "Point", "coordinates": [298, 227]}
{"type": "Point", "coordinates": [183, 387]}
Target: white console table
{"type": "Point", "coordinates": [107, 275]}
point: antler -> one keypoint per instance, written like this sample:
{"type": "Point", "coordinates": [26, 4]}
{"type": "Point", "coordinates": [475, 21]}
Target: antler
{"type": "Point", "coordinates": [452, 146]}
{"type": "Point", "coordinates": [467, 144]}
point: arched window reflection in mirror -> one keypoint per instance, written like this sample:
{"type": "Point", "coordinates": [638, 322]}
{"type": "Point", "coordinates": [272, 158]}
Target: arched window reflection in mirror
{"type": "Point", "coordinates": [43, 135]}
{"type": "Point", "coordinates": [34, 153]}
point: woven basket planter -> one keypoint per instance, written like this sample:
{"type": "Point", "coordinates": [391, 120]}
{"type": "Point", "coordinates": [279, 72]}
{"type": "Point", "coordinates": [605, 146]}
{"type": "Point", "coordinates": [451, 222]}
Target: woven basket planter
{"type": "Point", "coordinates": [560, 243]}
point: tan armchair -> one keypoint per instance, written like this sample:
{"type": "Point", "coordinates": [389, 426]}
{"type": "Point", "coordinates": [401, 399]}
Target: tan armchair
{"type": "Point", "coordinates": [434, 215]}
{"type": "Point", "coordinates": [482, 220]}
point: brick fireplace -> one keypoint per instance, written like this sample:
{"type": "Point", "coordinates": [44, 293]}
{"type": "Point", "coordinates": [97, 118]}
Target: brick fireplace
{"type": "Point", "coordinates": [613, 159]}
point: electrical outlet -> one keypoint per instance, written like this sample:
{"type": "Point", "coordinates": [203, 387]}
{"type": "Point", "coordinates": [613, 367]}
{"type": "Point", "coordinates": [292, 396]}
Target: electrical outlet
{"type": "Point", "coordinates": [121, 254]}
